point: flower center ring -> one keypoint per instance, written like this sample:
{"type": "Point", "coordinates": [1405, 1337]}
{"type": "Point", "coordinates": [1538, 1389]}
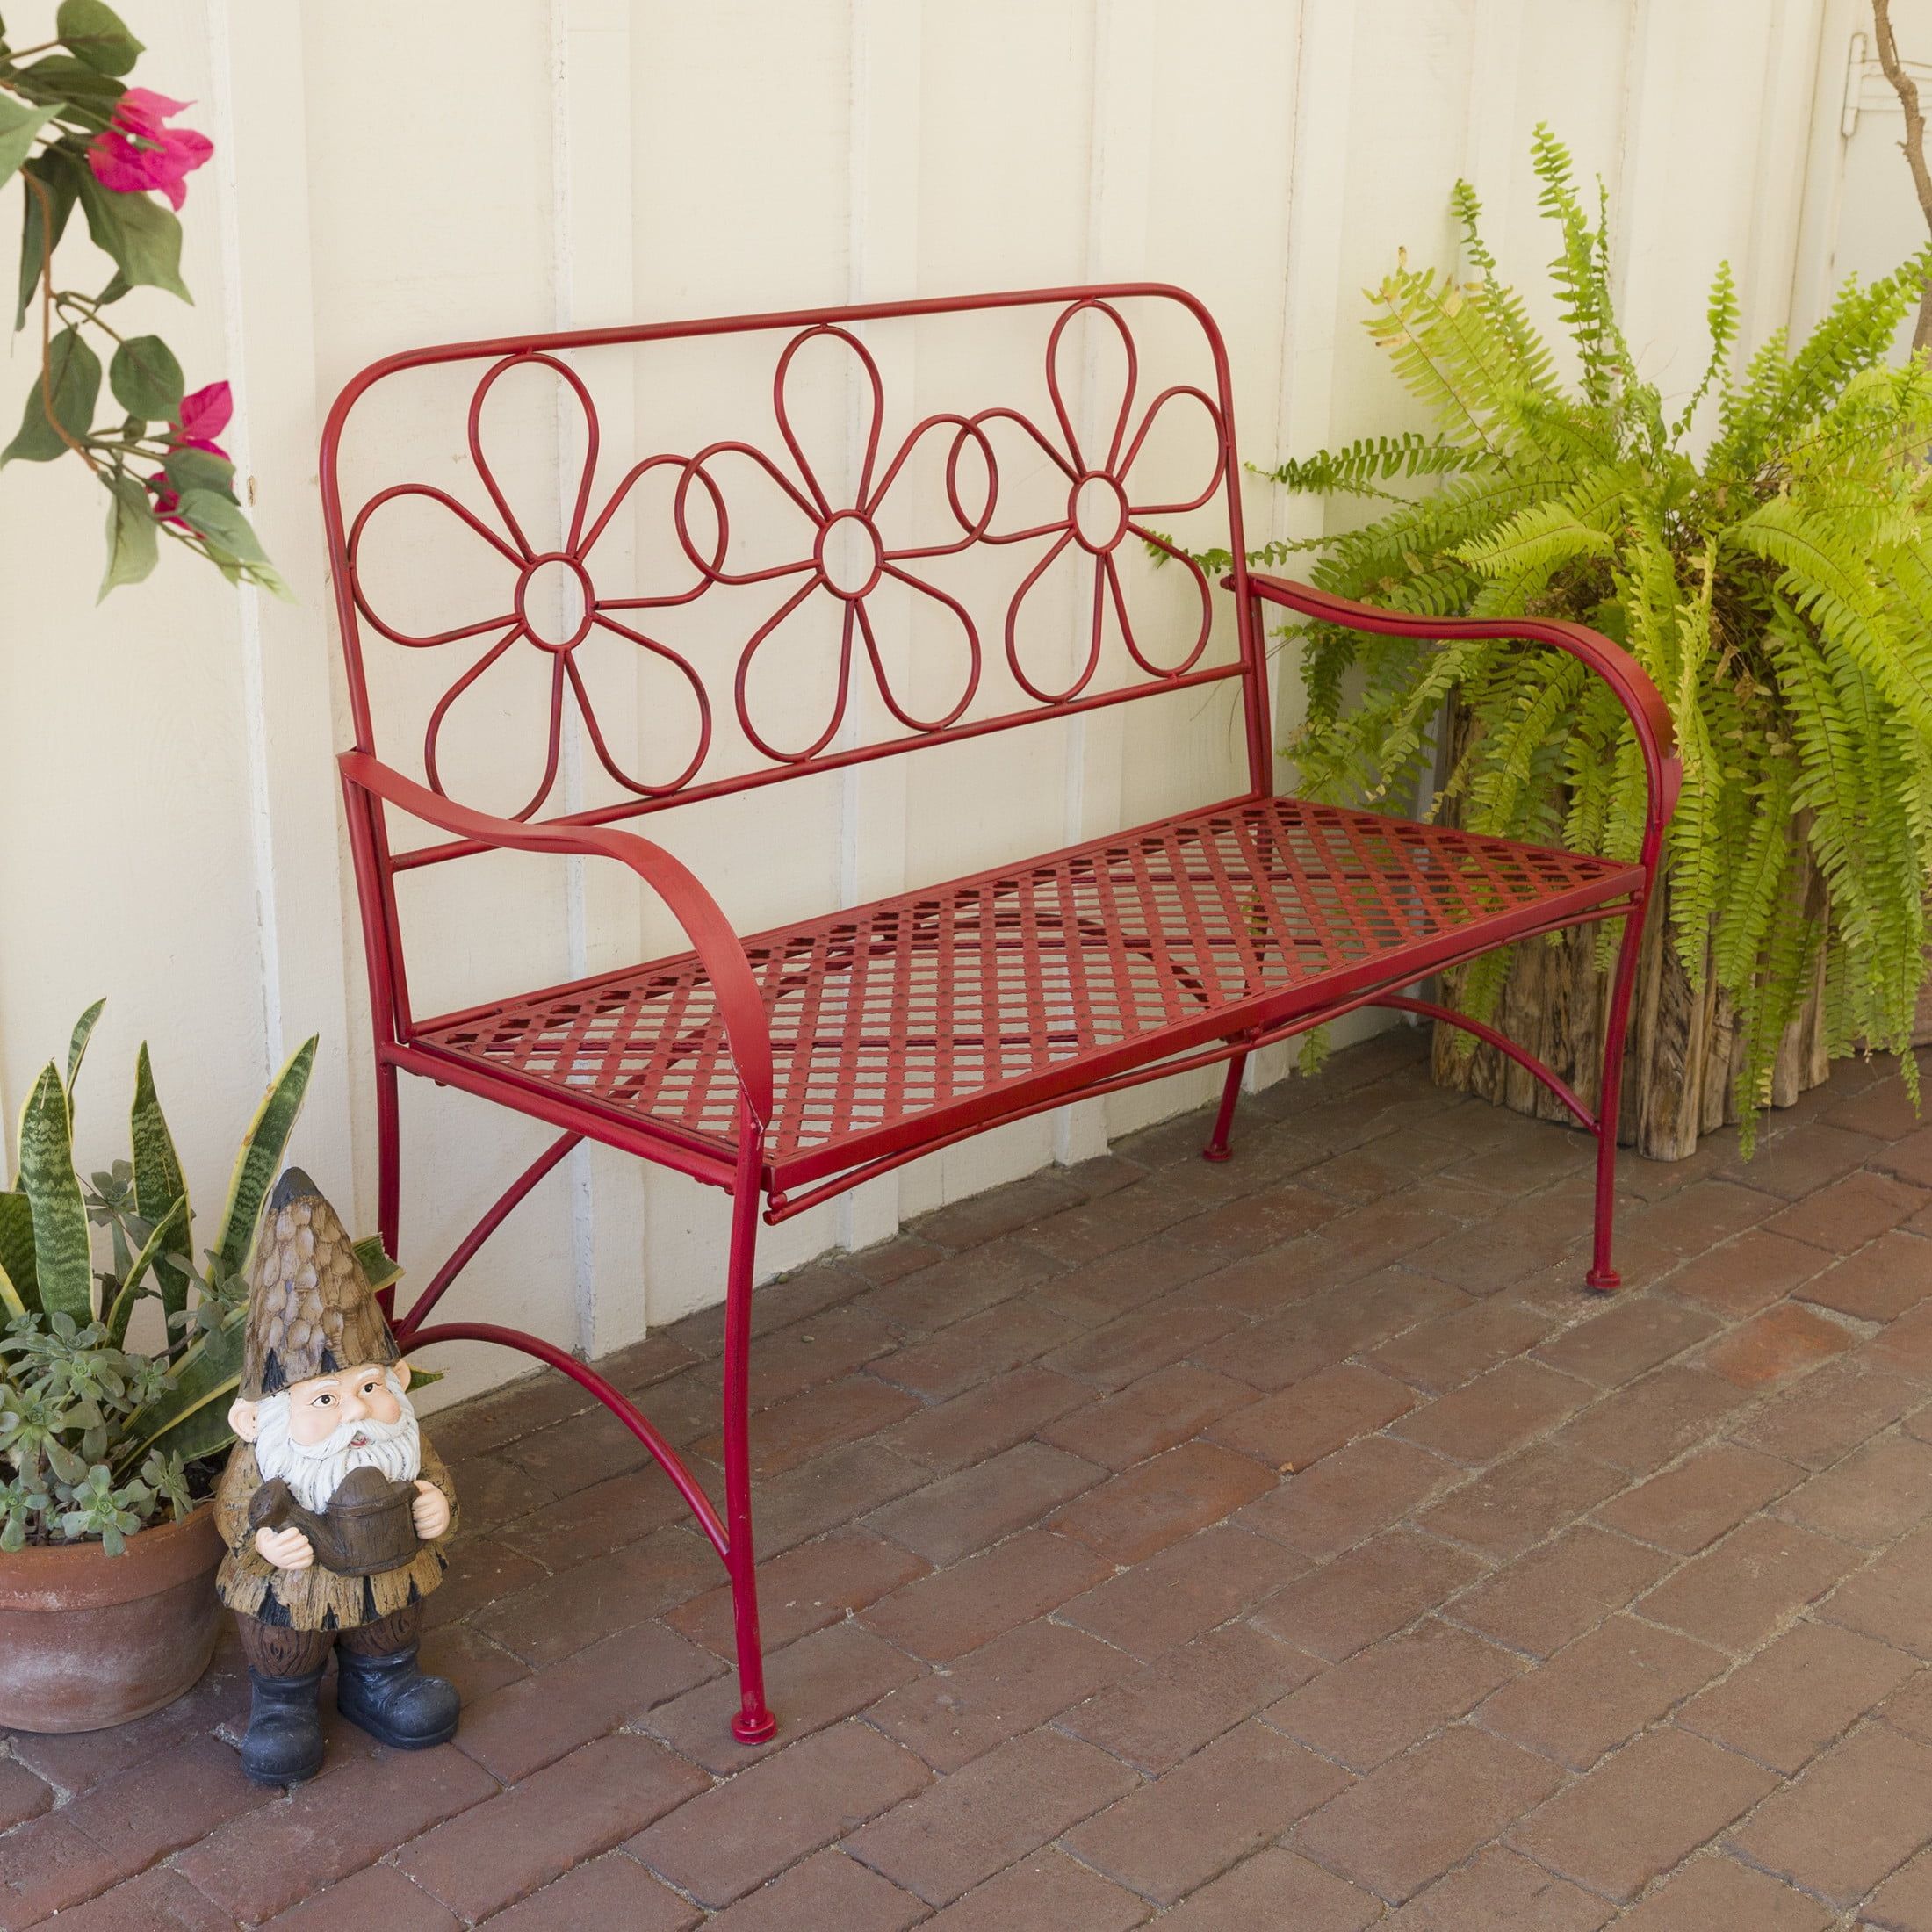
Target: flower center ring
{"type": "Point", "coordinates": [849, 555]}
{"type": "Point", "coordinates": [1097, 509]}
{"type": "Point", "coordinates": [554, 601]}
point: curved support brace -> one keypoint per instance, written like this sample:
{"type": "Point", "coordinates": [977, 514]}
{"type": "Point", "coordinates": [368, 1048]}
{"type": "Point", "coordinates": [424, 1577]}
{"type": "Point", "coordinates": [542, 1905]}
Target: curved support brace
{"type": "Point", "coordinates": [494, 1218]}
{"type": "Point", "coordinates": [613, 1399]}
{"type": "Point", "coordinates": [1502, 1042]}
{"type": "Point", "coordinates": [739, 1003]}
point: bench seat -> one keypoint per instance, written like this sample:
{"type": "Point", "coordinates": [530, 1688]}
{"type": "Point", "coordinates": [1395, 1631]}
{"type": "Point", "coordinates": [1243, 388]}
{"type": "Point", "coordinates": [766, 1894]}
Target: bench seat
{"type": "Point", "coordinates": [980, 998]}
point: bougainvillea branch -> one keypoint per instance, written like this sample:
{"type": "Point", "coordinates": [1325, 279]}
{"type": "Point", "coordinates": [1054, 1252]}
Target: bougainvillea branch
{"type": "Point", "coordinates": [1913, 146]}
{"type": "Point", "coordinates": [79, 137]}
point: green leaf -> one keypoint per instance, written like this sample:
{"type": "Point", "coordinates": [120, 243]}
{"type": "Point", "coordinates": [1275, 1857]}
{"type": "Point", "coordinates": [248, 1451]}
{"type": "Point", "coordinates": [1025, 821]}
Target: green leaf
{"type": "Point", "coordinates": [61, 81]}
{"type": "Point", "coordinates": [146, 379]}
{"type": "Point", "coordinates": [76, 1045]}
{"type": "Point", "coordinates": [200, 470]}
{"type": "Point", "coordinates": [96, 34]}
{"type": "Point", "coordinates": [173, 1228]}
{"type": "Point", "coordinates": [143, 237]}
{"type": "Point", "coordinates": [19, 128]}
{"type": "Point", "coordinates": [220, 521]}
{"type": "Point", "coordinates": [16, 1253]}
{"type": "Point", "coordinates": [232, 543]}
{"type": "Point", "coordinates": [260, 1157]}
{"type": "Point", "coordinates": [55, 173]}
{"type": "Point", "coordinates": [62, 1274]}
{"type": "Point", "coordinates": [376, 1263]}
{"type": "Point", "coordinates": [191, 1418]}
{"type": "Point", "coordinates": [134, 537]}
{"type": "Point", "coordinates": [159, 1187]}
{"type": "Point", "coordinates": [73, 372]}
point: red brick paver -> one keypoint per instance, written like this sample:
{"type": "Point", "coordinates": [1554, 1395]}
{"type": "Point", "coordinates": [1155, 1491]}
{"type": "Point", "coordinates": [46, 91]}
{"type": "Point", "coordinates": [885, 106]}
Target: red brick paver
{"type": "Point", "coordinates": [1292, 1543]}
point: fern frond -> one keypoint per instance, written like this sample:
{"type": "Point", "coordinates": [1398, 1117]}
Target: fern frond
{"type": "Point", "coordinates": [1357, 468]}
{"type": "Point", "coordinates": [1722, 314]}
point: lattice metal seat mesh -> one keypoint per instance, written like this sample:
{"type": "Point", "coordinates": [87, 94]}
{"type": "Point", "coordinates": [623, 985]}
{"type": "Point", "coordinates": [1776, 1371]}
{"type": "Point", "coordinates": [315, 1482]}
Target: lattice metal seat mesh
{"type": "Point", "coordinates": [896, 1009]}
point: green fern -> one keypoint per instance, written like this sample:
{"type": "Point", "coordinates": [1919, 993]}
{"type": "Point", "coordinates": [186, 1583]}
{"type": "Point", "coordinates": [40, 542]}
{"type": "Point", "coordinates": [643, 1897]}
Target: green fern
{"type": "Point", "coordinates": [1778, 589]}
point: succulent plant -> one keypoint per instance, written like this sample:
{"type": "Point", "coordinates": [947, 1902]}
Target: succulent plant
{"type": "Point", "coordinates": [97, 1440]}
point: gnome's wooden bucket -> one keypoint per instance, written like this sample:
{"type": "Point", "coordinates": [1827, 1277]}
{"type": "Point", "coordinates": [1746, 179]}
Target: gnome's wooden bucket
{"type": "Point", "coordinates": [88, 1640]}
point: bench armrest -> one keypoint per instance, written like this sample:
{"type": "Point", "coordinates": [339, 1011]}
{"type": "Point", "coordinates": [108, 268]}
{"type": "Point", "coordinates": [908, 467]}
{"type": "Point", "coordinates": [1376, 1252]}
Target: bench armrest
{"type": "Point", "coordinates": [1649, 715]}
{"type": "Point", "coordinates": [740, 1004]}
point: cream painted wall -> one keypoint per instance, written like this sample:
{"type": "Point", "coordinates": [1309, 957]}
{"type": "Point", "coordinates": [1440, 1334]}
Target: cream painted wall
{"type": "Point", "coordinates": [387, 176]}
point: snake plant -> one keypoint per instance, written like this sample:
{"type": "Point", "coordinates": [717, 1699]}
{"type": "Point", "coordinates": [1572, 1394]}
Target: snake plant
{"type": "Point", "coordinates": [97, 1439]}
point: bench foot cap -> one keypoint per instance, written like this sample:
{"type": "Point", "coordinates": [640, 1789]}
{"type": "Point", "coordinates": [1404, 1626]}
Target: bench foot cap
{"type": "Point", "coordinates": [1603, 1280]}
{"type": "Point", "coordinates": [753, 1727]}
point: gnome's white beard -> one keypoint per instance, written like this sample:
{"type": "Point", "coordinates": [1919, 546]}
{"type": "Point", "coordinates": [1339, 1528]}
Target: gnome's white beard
{"type": "Point", "coordinates": [314, 1471]}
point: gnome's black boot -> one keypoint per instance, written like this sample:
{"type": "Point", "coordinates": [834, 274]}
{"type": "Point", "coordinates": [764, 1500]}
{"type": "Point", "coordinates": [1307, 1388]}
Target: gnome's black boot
{"type": "Point", "coordinates": [285, 1741]}
{"type": "Point", "coordinates": [395, 1701]}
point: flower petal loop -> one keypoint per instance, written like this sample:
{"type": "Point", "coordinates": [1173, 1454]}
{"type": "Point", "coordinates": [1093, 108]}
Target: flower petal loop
{"type": "Point", "coordinates": [575, 383]}
{"type": "Point", "coordinates": [886, 693]}
{"type": "Point", "coordinates": [619, 497]}
{"type": "Point", "coordinates": [712, 568]}
{"type": "Point", "coordinates": [433, 735]}
{"type": "Point", "coordinates": [642, 787]}
{"type": "Point", "coordinates": [1056, 389]}
{"type": "Point", "coordinates": [756, 642]}
{"type": "Point", "coordinates": [470, 521]}
{"type": "Point", "coordinates": [966, 433]}
{"type": "Point", "coordinates": [1041, 693]}
{"type": "Point", "coordinates": [1202, 591]}
{"type": "Point", "coordinates": [1056, 457]}
{"type": "Point", "coordinates": [1217, 430]}
{"type": "Point", "coordinates": [780, 384]}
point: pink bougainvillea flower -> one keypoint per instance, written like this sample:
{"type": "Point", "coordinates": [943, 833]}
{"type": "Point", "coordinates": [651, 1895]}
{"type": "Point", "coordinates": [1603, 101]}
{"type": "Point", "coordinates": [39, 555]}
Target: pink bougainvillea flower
{"type": "Point", "coordinates": [139, 151]}
{"type": "Point", "coordinates": [203, 417]}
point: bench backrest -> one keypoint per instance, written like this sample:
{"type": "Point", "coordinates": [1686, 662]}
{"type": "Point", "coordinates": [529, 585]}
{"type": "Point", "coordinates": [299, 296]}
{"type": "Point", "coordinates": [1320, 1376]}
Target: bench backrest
{"type": "Point", "coordinates": [783, 544]}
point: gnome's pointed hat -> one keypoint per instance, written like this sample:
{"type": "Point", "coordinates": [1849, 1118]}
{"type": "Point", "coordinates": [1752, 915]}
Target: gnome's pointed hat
{"type": "Point", "coordinates": [311, 1309]}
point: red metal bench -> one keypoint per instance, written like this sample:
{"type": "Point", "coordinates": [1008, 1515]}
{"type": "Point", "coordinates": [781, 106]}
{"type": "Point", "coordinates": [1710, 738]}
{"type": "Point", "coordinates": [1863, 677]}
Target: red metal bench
{"type": "Point", "coordinates": [789, 1065]}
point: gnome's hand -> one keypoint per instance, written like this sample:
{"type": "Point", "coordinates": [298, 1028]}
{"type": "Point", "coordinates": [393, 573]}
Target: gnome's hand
{"type": "Point", "coordinates": [430, 1512]}
{"type": "Point", "coordinates": [287, 1549]}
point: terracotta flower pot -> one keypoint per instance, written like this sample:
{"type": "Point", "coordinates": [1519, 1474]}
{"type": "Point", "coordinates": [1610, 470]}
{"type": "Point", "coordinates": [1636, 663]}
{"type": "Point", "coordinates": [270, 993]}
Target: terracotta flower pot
{"type": "Point", "coordinates": [87, 1639]}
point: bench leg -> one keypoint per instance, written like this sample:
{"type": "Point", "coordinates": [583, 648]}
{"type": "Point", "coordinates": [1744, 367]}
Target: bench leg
{"type": "Point", "coordinates": [1216, 1149]}
{"type": "Point", "coordinates": [1603, 1276]}
{"type": "Point", "coordinates": [388, 1170]}
{"type": "Point", "coordinates": [754, 1722]}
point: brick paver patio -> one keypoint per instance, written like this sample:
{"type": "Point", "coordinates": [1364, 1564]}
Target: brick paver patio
{"type": "Point", "coordinates": [1290, 1543]}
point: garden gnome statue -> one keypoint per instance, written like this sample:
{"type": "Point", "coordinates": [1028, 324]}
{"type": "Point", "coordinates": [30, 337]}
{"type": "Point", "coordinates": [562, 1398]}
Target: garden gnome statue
{"type": "Point", "coordinates": [334, 1511]}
